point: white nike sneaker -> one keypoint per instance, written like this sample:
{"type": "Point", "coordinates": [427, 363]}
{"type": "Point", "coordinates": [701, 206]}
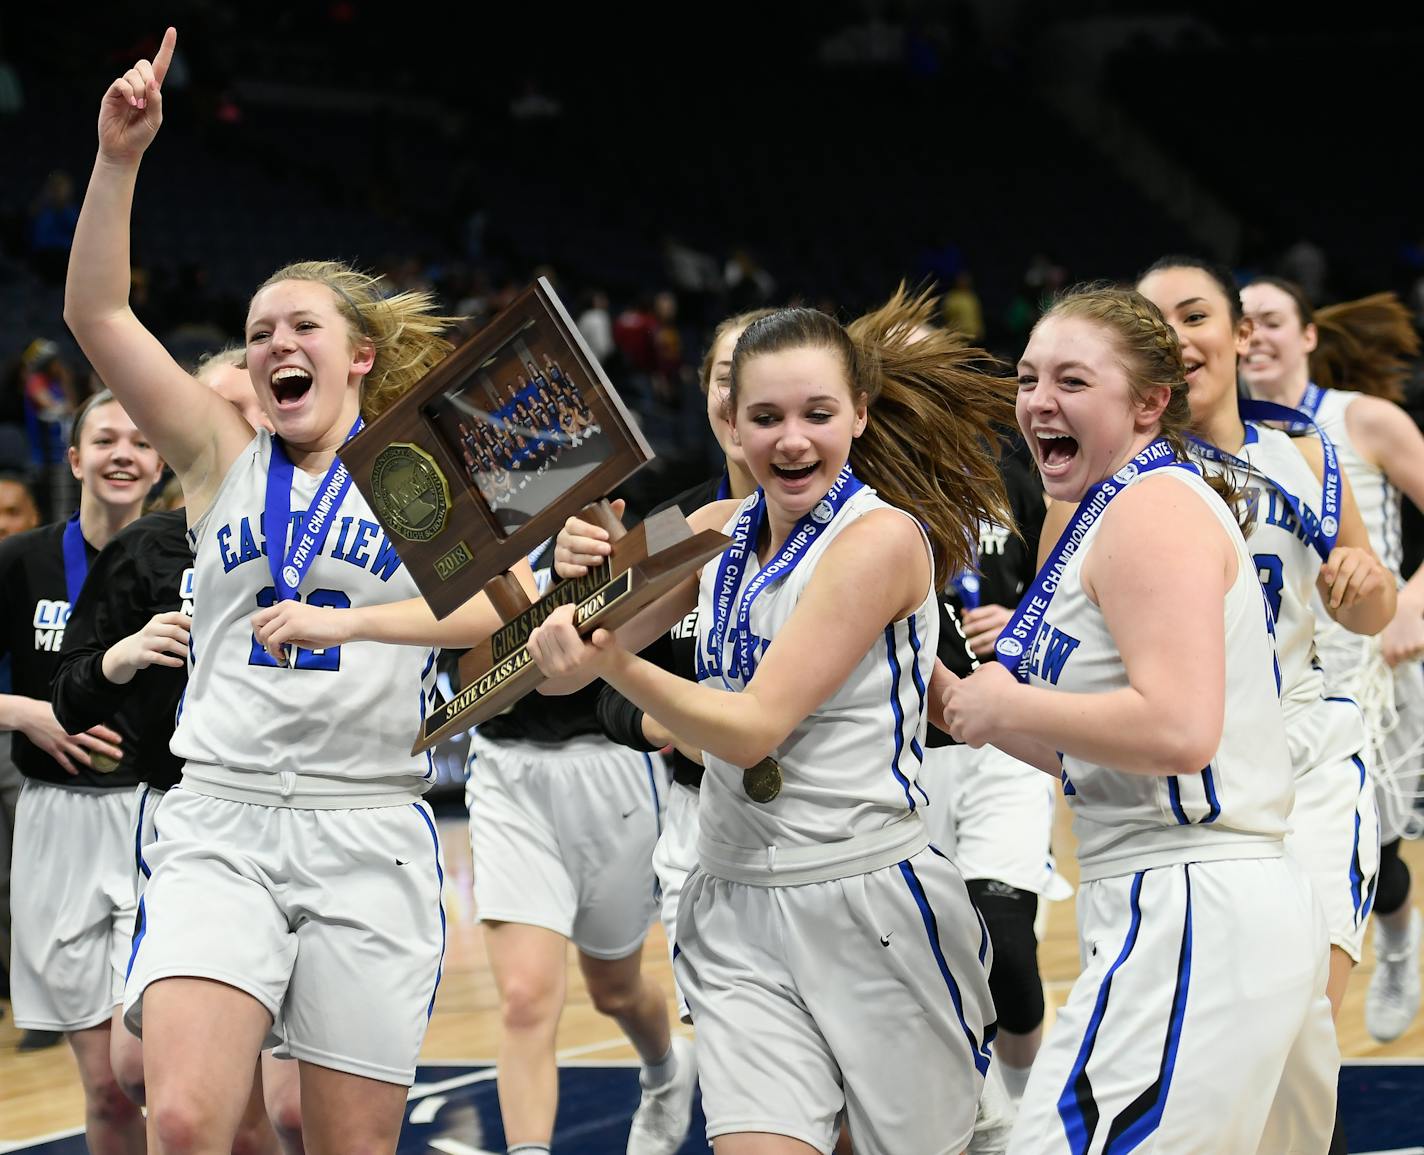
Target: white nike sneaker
{"type": "Point", "coordinates": [662, 1118]}
{"type": "Point", "coordinates": [1392, 1000]}
{"type": "Point", "coordinates": [995, 1117]}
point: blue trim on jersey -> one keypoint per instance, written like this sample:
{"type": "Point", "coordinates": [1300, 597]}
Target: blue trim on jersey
{"type": "Point", "coordinates": [140, 928]}
{"type": "Point", "coordinates": [899, 713]}
{"type": "Point", "coordinates": [440, 901]}
{"type": "Point", "coordinates": [1140, 1118]}
{"type": "Point", "coordinates": [1369, 903]}
{"type": "Point", "coordinates": [1209, 784]}
{"type": "Point", "coordinates": [915, 669]}
{"type": "Point", "coordinates": [981, 1053]}
{"type": "Point", "coordinates": [183, 697]}
{"type": "Point", "coordinates": [1076, 1102]}
{"type": "Point", "coordinates": [920, 688]}
{"type": "Point", "coordinates": [1357, 872]}
{"type": "Point", "coordinates": [1174, 795]}
{"type": "Point", "coordinates": [138, 833]}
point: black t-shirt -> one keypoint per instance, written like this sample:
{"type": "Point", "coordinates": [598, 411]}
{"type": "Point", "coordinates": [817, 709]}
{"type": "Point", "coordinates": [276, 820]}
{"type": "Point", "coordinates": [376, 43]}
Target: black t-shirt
{"type": "Point", "coordinates": [147, 569]}
{"type": "Point", "coordinates": [675, 651]}
{"type": "Point", "coordinates": [34, 610]}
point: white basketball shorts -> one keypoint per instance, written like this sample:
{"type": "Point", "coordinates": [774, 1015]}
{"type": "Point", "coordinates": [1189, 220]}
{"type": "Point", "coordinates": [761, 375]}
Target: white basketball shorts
{"type": "Point", "coordinates": [562, 837]}
{"type": "Point", "coordinates": [72, 905]}
{"type": "Point", "coordinates": [331, 919]}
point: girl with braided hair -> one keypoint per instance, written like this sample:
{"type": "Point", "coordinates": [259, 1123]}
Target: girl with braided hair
{"type": "Point", "coordinates": [296, 869]}
{"type": "Point", "coordinates": [1140, 669]}
{"type": "Point", "coordinates": [1343, 365]}
{"type": "Point", "coordinates": [819, 911]}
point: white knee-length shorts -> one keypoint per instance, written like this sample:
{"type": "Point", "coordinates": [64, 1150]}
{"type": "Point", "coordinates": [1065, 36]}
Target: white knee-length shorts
{"type": "Point", "coordinates": [867, 994]}
{"type": "Point", "coordinates": [331, 919]}
{"type": "Point", "coordinates": [72, 905]}
{"type": "Point", "coordinates": [1199, 1023]}
{"type": "Point", "coordinates": [562, 837]}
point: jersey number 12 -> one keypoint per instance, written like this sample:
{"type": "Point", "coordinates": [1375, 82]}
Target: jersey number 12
{"type": "Point", "coordinates": [329, 659]}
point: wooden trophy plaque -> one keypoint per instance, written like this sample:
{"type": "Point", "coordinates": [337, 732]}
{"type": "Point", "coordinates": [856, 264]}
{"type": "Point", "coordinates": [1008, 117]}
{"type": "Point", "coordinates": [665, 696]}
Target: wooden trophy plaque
{"type": "Point", "coordinates": [482, 461]}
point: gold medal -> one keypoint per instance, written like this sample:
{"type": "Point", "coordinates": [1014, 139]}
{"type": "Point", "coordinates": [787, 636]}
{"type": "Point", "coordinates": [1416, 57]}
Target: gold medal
{"type": "Point", "coordinates": [762, 782]}
{"type": "Point", "coordinates": [103, 763]}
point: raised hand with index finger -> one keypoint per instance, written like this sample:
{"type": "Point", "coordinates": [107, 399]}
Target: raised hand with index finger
{"type": "Point", "coordinates": [132, 108]}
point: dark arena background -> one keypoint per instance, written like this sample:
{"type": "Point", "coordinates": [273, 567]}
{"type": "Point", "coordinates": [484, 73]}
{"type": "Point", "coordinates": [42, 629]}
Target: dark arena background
{"type": "Point", "coordinates": [664, 167]}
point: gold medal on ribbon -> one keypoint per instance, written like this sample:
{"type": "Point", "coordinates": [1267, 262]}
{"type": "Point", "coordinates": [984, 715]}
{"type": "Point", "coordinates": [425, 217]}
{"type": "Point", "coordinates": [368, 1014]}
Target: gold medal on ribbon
{"type": "Point", "coordinates": [762, 782]}
{"type": "Point", "coordinates": [103, 763]}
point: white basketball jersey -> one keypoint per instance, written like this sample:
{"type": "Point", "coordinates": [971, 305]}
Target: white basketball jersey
{"type": "Point", "coordinates": [848, 769]}
{"type": "Point", "coordinates": [1344, 655]}
{"type": "Point", "coordinates": [1319, 729]}
{"type": "Point", "coordinates": [333, 727]}
{"type": "Point", "coordinates": [1236, 805]}
{"type": "Point", "coordinates": [1375, 498]}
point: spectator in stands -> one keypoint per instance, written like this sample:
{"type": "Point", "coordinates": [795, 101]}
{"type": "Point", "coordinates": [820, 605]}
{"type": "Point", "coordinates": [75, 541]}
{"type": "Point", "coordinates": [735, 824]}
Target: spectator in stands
{"type": "Point", "coordinates": [961, 309]}
{"type": "Point", "coordinates": [670, 370]}
{"type": "Point", "coordinates": [596, 325]}
{"type": "Point", "coordinates": [634, 330]}
{"type": "Point", "coordinates": [52, 219]}
{"type": "Point", "coordinates": [48, 397]}
{"type": "Point", "coordinates": [18, 511]}
{"type": "Point", "coordinates": [749, 285]}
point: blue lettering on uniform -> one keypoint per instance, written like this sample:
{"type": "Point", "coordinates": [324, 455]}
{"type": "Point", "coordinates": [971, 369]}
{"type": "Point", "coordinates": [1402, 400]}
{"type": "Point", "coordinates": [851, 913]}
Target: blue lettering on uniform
{"type": "Point", "coordinates": [365, 531]}
{"type": "Point", "coordinates": [1279, 513]}
{"type": "Point", "coordinates": [246, 544]}
{"type": "Point", "coordinates": [247, 548]}
{"type": "Point", "coordinates": [387, 561]}
{"type": "Point", "coordinates": [229, 559]}
{"type": "Point", "coordinates": [365, 548]}
{"type": "Point", "coordinates": [1051, 650]}
{"type": "Point", "coordinates": [338, 551]}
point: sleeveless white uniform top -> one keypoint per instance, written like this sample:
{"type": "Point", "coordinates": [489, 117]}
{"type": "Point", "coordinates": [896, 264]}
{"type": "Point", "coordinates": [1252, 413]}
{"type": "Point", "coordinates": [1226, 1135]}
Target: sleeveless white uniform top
{"type": "Point", "coordinates": [1343, 654]}
{"type": "Point", "coordinates": [848, 800]}
{"type": "Point", "coordinates": [1319, 729]}
{"type": "Point", "coordinates": [334, 728]}
{"type": "Point", "coordinates": [1236, 806]}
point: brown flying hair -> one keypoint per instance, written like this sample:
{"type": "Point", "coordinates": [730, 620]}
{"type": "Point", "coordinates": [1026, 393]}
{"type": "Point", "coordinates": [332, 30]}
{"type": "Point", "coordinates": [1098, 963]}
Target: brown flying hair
{"type": "Point", "coordinates": [935, 411]}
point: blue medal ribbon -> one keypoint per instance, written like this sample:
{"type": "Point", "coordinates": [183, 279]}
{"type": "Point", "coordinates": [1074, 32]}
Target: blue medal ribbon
{"type": "Point", "coordinates": [1322, 531]}
{"type": "Point", "coordinates": [1309, 402]}
{"type": "Point", "coordinates": [289, 566]}
{"type": "Point", "coordinates": [76, 559]}
{"type": "Point", "coordinates": [724, 487]}
{"type": "Point", "coordinates": [1014, 649]}
{"type": "Point", "coordinates": [736, 639]}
